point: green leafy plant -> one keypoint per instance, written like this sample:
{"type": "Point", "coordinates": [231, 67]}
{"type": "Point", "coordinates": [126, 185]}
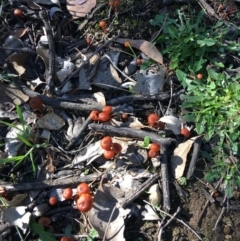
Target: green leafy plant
{"type": "Point", "coordinates": [146, 142]}
{"type": "Point", "coordinates": [92, 235]}
{"type": "Point", "coordinates": [214, 107]}
{"type": "Point", "coordinates": [189, 44]}
{"type": "Point", "coordinates": [182, 181]}
{"type": "Point", "coordinates": [227, 169]}
{"type": "Point", "coordinates": [38, 229]}
{"type": "Point", "coordinates": [25, 136]}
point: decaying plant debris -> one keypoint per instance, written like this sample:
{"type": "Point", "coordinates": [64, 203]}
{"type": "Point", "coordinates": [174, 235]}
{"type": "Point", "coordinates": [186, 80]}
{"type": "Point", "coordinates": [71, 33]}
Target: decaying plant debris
{"type": "Point", "coordinates": [160, 84]}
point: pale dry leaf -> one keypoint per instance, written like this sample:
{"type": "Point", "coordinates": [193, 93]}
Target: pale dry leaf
{"type": "Point", "coordinates": [18, 61]}
{"type": "Point", "coordinates": [80, 10]}
{"type": "Point", "coordinates": [132, 122]}
{"type": "Point", "coordinates": [179, 157]}
{"type": "Point", "coordinates": [40, 209]}
{"type": "Point", "coordinates": [33, 84]}
{"type": "Point", "coordinates": [89, 154]}
{"type": "Point", "coordinates": [17, 200]}
{"type": "Point", "coordinates": [146, 47]}
{"type": "Point", "coordinates": [155, 195]}
{"type": "Point", "coordinates": [106, 75]}
{"type": "Point", "coordinates": [67, 69]}
{"type": "Point", "coordinates": [12, 144]}
{"type": "Point", "coordinates": [10, 93]}
{"type": "Point", "coordinates": [50, 121]}
{"type": "Point", "coordinates": [13, 43]}
{"type": "Point", "coordinates": [148, 83]}
{"type": "Point", "coordinates": [33, 5]}
{"type": "Point", "coordinates": [149, 213]}
{"type": "Point", "coordinates": [19, 32]}
{"type": "Point", "coordinates": [17, 216]}
{"type": "Point", "coordinates": [173, 122]}
{"type": "Point", "coordinates": [104, 208]}
{"type": "Point", "coordinates": [100, 98]}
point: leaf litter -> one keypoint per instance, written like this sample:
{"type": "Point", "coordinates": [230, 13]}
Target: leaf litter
{"type": "Point", "coordinates": [81, 68]}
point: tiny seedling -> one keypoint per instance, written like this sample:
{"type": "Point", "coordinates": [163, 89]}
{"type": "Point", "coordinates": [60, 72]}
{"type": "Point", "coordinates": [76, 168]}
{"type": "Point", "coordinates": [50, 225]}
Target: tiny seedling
{"type": "Point", "coordinates": [146, 142]}
{"type": "Point", "coordinates": [182, 181]}
{"type": "Point", "coordinates": [92, 235]}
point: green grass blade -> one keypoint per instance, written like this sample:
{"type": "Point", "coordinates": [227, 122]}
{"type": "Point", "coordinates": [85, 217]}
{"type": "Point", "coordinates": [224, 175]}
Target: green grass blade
{"type": "Point", "coordinates": [12, 159]}
{"type": "Point", "coordinates": [10, 125]}
{"type": "Point", "coordinates": [24, 140]}
{"type": "Point", "coordinates": [20, 115]}
{"type": "Point", "coordinates": [38, 229]}
{"type": "Point", "coordinates": [33, 164]}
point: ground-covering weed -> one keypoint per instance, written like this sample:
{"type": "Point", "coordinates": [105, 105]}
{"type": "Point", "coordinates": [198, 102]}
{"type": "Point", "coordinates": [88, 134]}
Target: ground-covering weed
{"type": "Point", "coordinates": [213, 102]}
{"type": "Point", "coordinates": [25, 136]}
{"type": "Point", "coordinates": [190, 44]}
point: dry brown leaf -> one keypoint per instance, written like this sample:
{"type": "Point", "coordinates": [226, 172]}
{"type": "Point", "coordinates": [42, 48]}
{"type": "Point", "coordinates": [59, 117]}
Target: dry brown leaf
{"type": "Point", "coordinates": [132, 122]}
{"type": "Point", "coordinates": [10, 93]}
{"type": "Point", "coordinates": [18, 61]}
{"type": "Point", "coordinates": [146, 47]}
{"type": "Point", "coordinates": [50, 121]}
{"type": "Point", "coordinates": [179, 157]}
{"type": "Point", "coordinates": [80, 10]}
{"type": "Point", "coordinates": [105, 209]}
{"type": "Point", "coordinates": [19, 32]}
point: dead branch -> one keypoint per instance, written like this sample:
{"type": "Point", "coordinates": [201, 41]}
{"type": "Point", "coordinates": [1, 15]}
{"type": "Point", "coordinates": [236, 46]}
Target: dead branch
{"type": "Point", "coordinates": [132, 133]}
{"type": "Point", "coordinates": [165, 181]}
{"type": "Point", "coordinates": [69, 181]}
{"type": "Point", "coordinates": [195, 154]}
{"type": "Point", "coordinates": [84, 106]}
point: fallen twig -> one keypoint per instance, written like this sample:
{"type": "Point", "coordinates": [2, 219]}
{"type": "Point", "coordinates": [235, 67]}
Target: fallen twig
{"type": "Point", "coordinates": [210, 11]}
{"type": "Point", "coordinates": [62, 103]}
{"type": "Point", "coordinates": [133, 98]}
{"type": "Point", "coordinates": [80, 131]}
{"type": "Point", "coordinates": [87, 60]}
{"type": "Point", "coordinates": [165, 181]}
{"type": "Point", "coordinates": [173, 217]}
{"type": "Point", "coordinates": [206, 204]}
{"type": "Point", "coordinates": [133, 133]}
{"type": "Point", "coordinates": [195, 154]}
{"type": "Point", "coordinates": [132, 196]}
{"type": "Point", "coordinates": [167, 223]}
{"type": "Point", "coordinates": [219, 218]}
{"type": "Point", "coordinates": [51, 68]}
{"type": "Point", "coordinates": [69, 181]}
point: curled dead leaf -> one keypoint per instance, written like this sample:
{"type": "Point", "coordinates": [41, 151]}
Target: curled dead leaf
{"type": "Point", "coordinates": [146, 47]}
{"type": "Point", "coordinates": [179, 157]}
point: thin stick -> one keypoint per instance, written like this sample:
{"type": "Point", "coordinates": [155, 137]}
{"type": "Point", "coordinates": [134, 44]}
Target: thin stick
{"type": "Point", "coordinates": [167, 223]}
{"type": "Point", "coordinates": [171, 95]}
{"type": "Point", "coordinates": [80, 132]}
{"type": "Point", "coordinates": [206, 204]}
{"type": "Point", "coordinates": [136, 194]}
{"type": "Point", "coordinates": [219, 218]}
{"type": "Point", "coordinates": [195, 154]}
{"type": "Point", "coordinates": [87, 60]}
{"type": "Point", "coordinates": [110, 219]}
{"type": "Point", "coordinates": [51, 68]}
{"type": "Point", "coordinates": [60, 103]}
{"type": "Point", "coordinates": [179, 220]}
{"type": "Point", "coordinates": [69, 181]}
{"type": "Point", "coordinates": [119, 69]}
{"type": "Point", "coordinates": [128, 132]}
{"type": "Point", "coordinates": [165, 181]}
{"type": "Point", "coordinates": [134, 98]}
